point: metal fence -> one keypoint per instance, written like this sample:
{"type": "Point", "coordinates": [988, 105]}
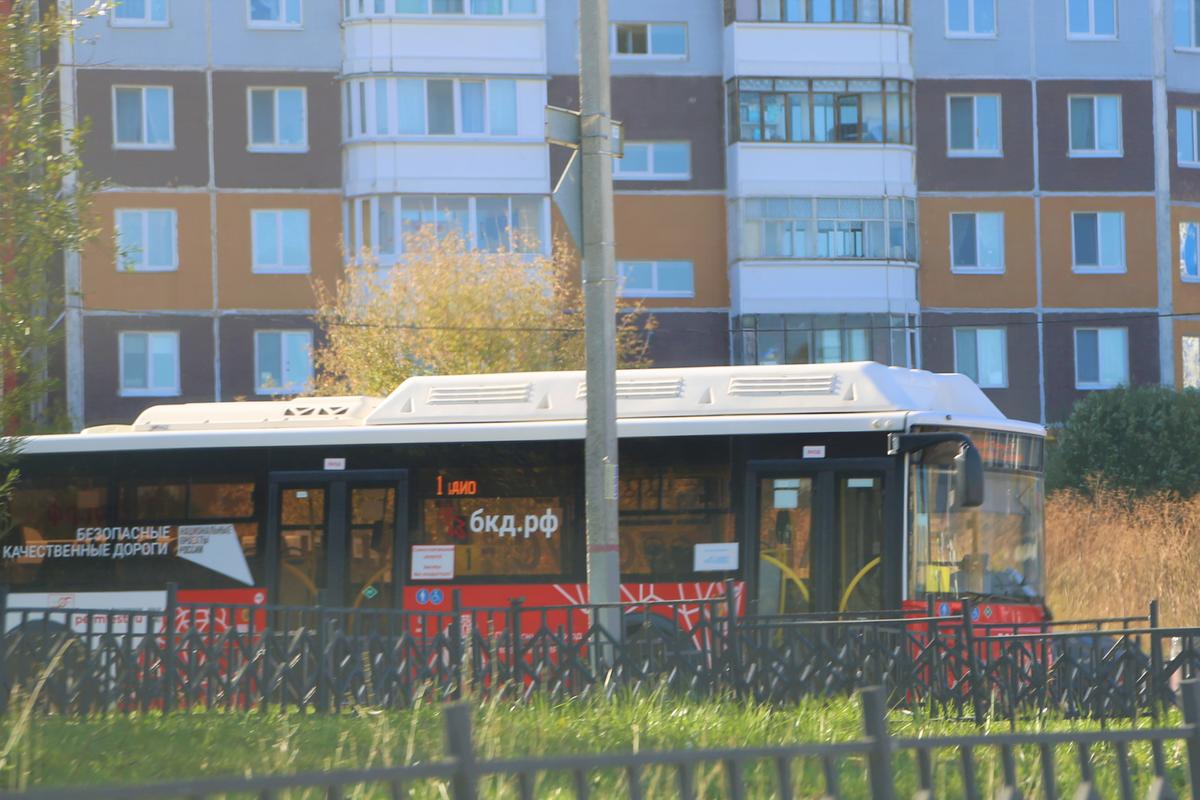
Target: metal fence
{"type": "Point", "coordinates": [82, 662]}
{"type": "Point", "coordinates": [885, 766]}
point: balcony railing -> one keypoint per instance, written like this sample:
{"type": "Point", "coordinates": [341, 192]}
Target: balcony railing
{"type": "Point", "coordinates": [819, 12]}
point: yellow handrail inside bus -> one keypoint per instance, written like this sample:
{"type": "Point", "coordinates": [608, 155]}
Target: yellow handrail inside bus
{"type": "Point", "coordinates": [862, 573]}
{"type": "Point", "coordinates": [312, 587]}
{"type": "Point", "coordinates": [788, 573]}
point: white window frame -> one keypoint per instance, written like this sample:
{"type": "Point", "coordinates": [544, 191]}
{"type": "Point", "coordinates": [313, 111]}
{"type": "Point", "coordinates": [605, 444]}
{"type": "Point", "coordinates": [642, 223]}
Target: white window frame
{"type": "Point", "coordinates": [961, 270]}
{"type": "Point", "coordinates": [276, 147]}
{"type": "Point", "coordinates": [650, 174]}
{"type": "Point", "coordinates": [1183, 275]}
{"type": "Point", "coordinates": [975, 151]}
{"type": "Point", "coordinates": [363, 105]}
{"type": "Point", "coordinates": [278, 268]}
{"type": "Point", "coordinates": [282, 24]}
{"type": "Point", "coordinates": [146, 21]}
{"type": "Point", "coordinates": [122, 266]}
{"type": "Point", "coordinates": [654, 291]}
{"type": "Point", "coordinates": [365, 9]}
{"type": "Point", "coordinates": [975, 330]}
{"type": "Point", "coordinates": [1192, 162]}
{"type": "Point", "coordinates": [261, 389]}
{"type": "Point", "coordinates": [122, 391]}
{"type": "Point", "coordinates": [1193, 8]}
{"type": "Point", "coordinates": [649, 54]}
{"type": "Point", "coordinates": [369, 207]}
{"type": "Point", "coordinates": [1099, 385]}
{"type": "Point", "coordinates": [169, 144]}
{"type": "Point", "coordinates": [1099, 269]}
{"type": "Point", "coordinates": [1095, 153]}
{"type": "Point", "coordinates": [971, 33]}
{"type": "Point", "coordinates": [1091, 35]}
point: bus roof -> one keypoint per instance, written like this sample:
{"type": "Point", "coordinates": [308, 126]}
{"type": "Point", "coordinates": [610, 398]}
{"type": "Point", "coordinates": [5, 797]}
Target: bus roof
{"type": "Point", "coordinates": [553, 403]}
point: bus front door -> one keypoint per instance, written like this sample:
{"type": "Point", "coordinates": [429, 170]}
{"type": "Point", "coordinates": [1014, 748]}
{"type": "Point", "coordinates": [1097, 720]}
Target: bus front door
{"type": "Point", "coordinates": [333, 539]}
{"type": "Point", "coordinates": [820, 540]}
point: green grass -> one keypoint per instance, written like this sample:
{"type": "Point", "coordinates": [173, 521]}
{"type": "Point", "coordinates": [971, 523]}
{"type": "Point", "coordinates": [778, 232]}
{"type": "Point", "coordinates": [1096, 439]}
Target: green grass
{"type": "Point", "coordinates": [141, 748]}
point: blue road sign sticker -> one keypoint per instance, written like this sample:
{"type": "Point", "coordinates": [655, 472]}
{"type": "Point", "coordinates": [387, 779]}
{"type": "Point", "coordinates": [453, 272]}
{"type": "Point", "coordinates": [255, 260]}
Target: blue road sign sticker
{"type": "Point", "coordinates": [422, 596]}
{"type": "Point", "coordinates": [974, 613]}
{"type": "Point", "coordinates": [944, 610]}
{"type": "Point", "coordinates": [436, 597]}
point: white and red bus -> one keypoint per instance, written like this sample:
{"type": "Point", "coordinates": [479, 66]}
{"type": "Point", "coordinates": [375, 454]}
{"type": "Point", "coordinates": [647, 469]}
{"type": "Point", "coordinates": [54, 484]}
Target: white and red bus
{"type": "Point", "coordinates": [834, 487]}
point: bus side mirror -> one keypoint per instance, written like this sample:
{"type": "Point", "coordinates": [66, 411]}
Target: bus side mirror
{"type": "Point", "coordinates": [968, 464]}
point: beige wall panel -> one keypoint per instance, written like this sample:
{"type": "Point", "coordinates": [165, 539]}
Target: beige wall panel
{"type": "Point", "coordinates": [677, 227]}
{"type": "Point", "coordinates": [1187, 293]}
{"type": "Point", "coordinates": [1134, 288]}
{"type": "Point", "coordinates": [941, 288]}
{"type": "Point", "coordinates": [240, 287]}
{"type": "Point", "coordinates": [187, 288]}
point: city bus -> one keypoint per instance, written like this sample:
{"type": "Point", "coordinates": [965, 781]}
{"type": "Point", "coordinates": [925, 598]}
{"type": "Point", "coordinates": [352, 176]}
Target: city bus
{"type": "Point", "coordinates": [807, 488]}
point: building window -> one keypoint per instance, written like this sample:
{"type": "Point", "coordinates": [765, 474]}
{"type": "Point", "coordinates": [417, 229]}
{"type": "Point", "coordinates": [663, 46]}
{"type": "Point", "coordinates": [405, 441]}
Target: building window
{"type": "Point", "coordinates": [1098, 241]}
{"type": "Point", "coordinates": [974, 125]}
{"type": "Point", "coordinates": [654, 161]}
{"type": "Point", "coordinates": [977, 242]}
{"type": "Point", "coordinates": [275, 13]}
{"type": "Point", "coordinates": [472, 8]}
{"type": "Point", "coordinates": [1187, 24]}
{"type": "Point", "coordinates": [1095, 122]}
{"type": "Point", "coordinates": [970, 18]}
{"type": "Point", "coordinates": [147, 240]}
{"type": "Point", "coordinates": [278, 120]}
{"type": "Point", "coordinates": [140, 14]}
{"type": "Point", "coordinates": [149, 363]}
{"type": "Point", "coordinates": [492, 223]}
{"type": "Point", "coordinates": [1190, 356]}
{"type": "Point", "coordinates": [1189, 251]}
{"type": "Point", "coordinates": [656, 279]}
{"type": "Point", "coordinates": [1092, 19]}
{"type": "Point", "coordinates": [282, 362]}
{"type": "Point", "coordinates": [820, 111]}
{"type": "Point", "coordinates": [1187, 129]}
{"type": "Point", "coordinates": [142, 117]}
{"type": "Point", "coordinates": [822, 339]}
{"type": "Point", "coordinates": [401, 107]}
{"type": "Point", "coordinates": [982, 355]}
{"type": "Point", "coordinates": [1101, 358]}
{"type": "Point", "coordinates": [280, 241]}
{"type": "Point", "coordinates": [649, 39]}
{"type": "Point", "coordinates": [829, 227]}
{"type": "Point", "coordinates": [888, 12]}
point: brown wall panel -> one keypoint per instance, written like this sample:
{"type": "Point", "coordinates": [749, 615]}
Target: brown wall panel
{"type": "Point", "coordinates": [237, 350]}
{"type": "Point", "coordinates": [1132, 172]}
{"type": "Point", "coordinates": [938, 172]}
{"type": "Point", "coordinates": [1186, 294]}
{"type": "Point", "coordinates": [1059, 339]}
{"type": "Point", "coordinates": [661, 109]}
{"type": "Point", "coordinates": [188, 288]}
{"type": "Point", "coordinates": [239, 286]}
{"type": "Point", "coordinates": [101, 364]}
{"type": "Point", "coordinates": [1020, 400]}
{"type": "Point", "coordinates": [1134, 288]}
{"type": "Point", "coordinates": [318, 168]}
{"type": "Point", "coordinates": [185, 165]}
{"type": "Point", "coordinates": [1016, 288]}
{"type": "Point", "coordinates": [1185, 181]}
{"type": "Point", "coordinates": [680, 227]}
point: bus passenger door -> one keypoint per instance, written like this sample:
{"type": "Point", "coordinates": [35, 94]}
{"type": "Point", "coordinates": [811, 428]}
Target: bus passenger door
{"type": "Point", "coordinates": [303, 541]}
{"type": "Point", "coordinates": [785, 544]}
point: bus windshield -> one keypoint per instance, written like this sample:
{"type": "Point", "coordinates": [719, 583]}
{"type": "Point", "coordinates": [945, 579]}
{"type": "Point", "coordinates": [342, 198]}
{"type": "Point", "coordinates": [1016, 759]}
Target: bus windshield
{"type": "Point", "coordinates": [995, 549]}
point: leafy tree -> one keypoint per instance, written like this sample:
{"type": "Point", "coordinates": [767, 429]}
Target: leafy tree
{"type": "Point", "coordinates": [445, 309]}
{"type": "Point", "coordinates": [43, 207]}
{"type": "Point", "coordinates": [1141, 439]}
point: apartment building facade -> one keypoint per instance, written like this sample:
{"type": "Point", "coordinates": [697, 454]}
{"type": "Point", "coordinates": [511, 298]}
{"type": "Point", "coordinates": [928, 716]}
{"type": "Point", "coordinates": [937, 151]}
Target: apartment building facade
{"type": "Point", "coordinates": [999, 187]}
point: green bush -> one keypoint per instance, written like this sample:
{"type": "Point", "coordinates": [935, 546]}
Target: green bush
{"type": "Point", "coordinates": [1142, 439]}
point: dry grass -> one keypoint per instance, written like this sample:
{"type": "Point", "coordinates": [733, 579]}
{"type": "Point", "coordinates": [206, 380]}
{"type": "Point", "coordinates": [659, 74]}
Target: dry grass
{"type": "Point", "coordinates": [1111, 554]}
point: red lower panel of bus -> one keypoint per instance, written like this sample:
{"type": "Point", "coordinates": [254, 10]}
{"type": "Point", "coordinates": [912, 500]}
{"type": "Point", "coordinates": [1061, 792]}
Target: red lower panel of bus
{"type": "Point", "coordinates": [986, 614]}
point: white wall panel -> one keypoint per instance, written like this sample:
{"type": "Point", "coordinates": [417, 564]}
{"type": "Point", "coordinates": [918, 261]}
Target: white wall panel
{"type": "Point", "coordinates": [796, 170]}
{"type": "Point", "coordinates": [789, 288]}
{"type": "Point", "coordinates": [446, 168]}
{"type": "Point", "coordinates": [491, 47]}
{"type": "Point", "coordinates": [781, 50]}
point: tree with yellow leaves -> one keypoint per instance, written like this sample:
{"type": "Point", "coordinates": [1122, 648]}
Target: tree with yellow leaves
{"type": "Point", "coordinates": [447, 309]}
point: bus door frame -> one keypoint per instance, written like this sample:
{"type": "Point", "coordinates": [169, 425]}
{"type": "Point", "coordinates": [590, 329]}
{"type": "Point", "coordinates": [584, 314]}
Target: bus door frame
{"type": "Point", "coordinates": [823, 473]}
{"type": "Point", "coordinates": [336, 483]}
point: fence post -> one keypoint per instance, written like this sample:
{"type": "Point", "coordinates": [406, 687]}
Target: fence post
{"type": "Point", "coordinates": [972, 661]}
{"type": "Point", "coordinates": [732, 646]}
{"type": "Point", "coordinates": [516, 664]}
{"type": "Point", "coordinates": [879, 760]}
{"type": "Point", "coordinates": [169, 659]}
{"type": "Point", "coordinates": [1158, 682]}
{"type": "Point", "coordinates": [5, 641]}
{"type": "Point", "coordinates": [464, 784]}
{"type": "Point", "coordinates": [457, 673]}
{"type": "Point", "coordinates": [1190, 690]}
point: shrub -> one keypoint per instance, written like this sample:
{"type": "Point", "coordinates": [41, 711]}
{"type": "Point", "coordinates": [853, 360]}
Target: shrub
{"type": "Point", "coordinates": [1143, 439]}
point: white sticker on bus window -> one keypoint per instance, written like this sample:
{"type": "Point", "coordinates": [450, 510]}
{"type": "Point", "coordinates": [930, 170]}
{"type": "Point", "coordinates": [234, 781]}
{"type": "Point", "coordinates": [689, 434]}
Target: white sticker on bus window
{"type": "Point", "coordinates": [216, 547]}
{"type": "Point", "coordinates": [335, 463]}
{"type": "Point", "coordinates": [432, 562]}
{"type": "Point", "coordinates": [715, 557]}
{"type": "Point", "coordinates": [814, 451]}
{"type": "Point", "coordinates": [860, 483]}
{"type": "Point", "coordinates": [787, 498]}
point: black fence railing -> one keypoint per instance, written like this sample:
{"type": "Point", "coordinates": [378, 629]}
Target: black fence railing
{"type": "Point", "coordinates": [81, 662]}
{"type": "Point", "coordinates": [885, 768]}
